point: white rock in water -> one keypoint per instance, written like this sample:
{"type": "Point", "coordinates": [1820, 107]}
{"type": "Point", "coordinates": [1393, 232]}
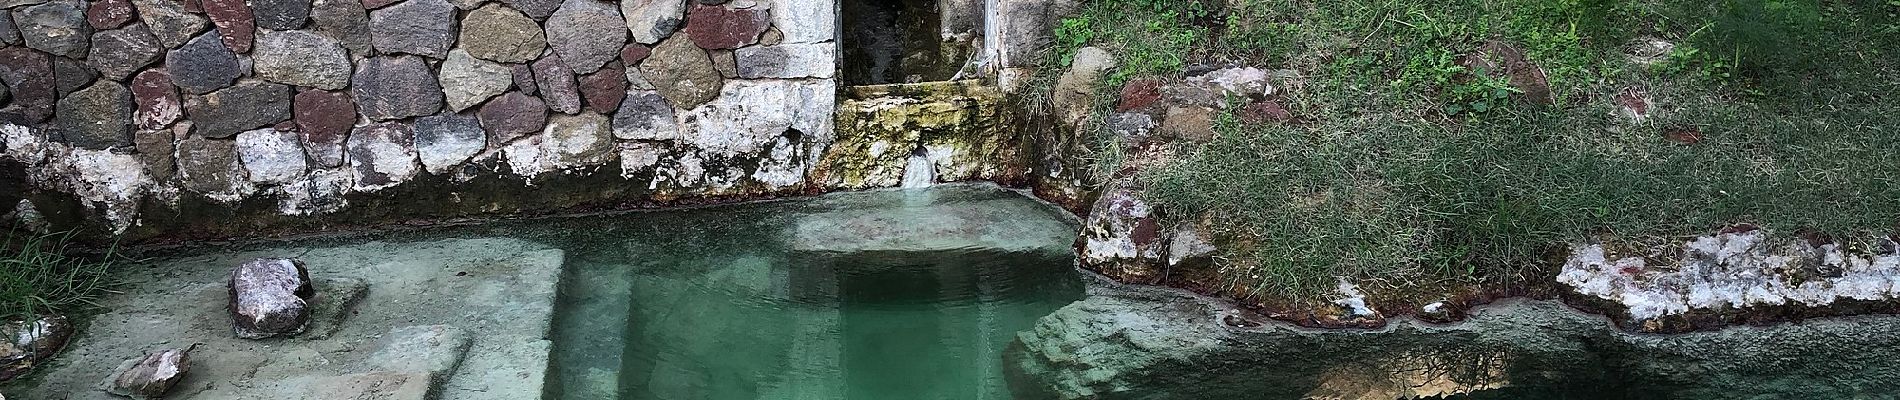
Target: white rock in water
{"type": "Point", "coordinates": [151, 376]}
{"type": "Point", "coordinates": [269, 297]}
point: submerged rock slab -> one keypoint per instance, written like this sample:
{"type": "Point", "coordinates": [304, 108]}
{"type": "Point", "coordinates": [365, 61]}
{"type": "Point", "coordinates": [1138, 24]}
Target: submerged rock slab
{"type": "Point", "coordinates": [1140, 342]}
{"type": "Point", "coordinates": [927, 221]}
{"type": "Point", "coordinates": [500, 291]}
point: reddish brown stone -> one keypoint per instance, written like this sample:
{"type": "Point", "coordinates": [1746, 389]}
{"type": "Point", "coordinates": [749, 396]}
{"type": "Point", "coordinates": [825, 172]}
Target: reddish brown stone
{"type": "Point", "coordinates": [1684, 135]}
{"type": "Point", "coordinates": [234, 21]}
{"type": "Point", "coordinates": [1264, 111]}
{"type": "Point", "coordinates": [634, 53]}
{"type": "Point", "coordinates": [323, 121]}
{"type": "Point", "coordinates": [524, 77]}
{"type": "Point", "coordinates": [109, 14]}
{"type": "Point", "coordinates": [557, 84]}
{"type": "Point", "coordinates": [158, 102]}
{"type": "Point", "coordinates": [604, 89]}
{"type": "Point", "coordinates": [511, 116]}
{"type": "Point", "coordinates": [29, 77]}
{"type": "Point", "coordinates": [720, 28]}
{"type": "Point", "coordinates": [1635, 102]}
{"type": "Point", "coordinates": [194, 6]}
{"type": "Point", "coordinates": [1139, 94]}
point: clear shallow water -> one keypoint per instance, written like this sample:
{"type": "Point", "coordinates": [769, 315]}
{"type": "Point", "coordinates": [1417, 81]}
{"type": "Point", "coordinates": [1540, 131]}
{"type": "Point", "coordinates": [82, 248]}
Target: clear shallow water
{"type": "Point", "coordinates": [886, 295]}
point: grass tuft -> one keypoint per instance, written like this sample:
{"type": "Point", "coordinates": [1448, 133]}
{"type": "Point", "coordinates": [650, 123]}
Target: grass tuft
{"type": "Point", "coordinates": [39, 274]}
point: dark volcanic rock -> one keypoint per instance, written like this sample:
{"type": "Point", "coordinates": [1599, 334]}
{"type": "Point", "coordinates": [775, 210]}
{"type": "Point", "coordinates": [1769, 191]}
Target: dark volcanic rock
{"type": "Point", "coordinates": [269, 297]}
{"type": "Point", "coordinates": [97, 117]}
{"type": "Point", "coordinates": [70, 75]}
{"type": "Point", "coordinates": [323, 121]}
{"type": "Point", "coordinates": [721, 28]}
{"type": "Point", "coordinates": [382, 155]}
{"type": "Point", "coordinates": [344, 21]}
{"type": "Point", "coordinates": [9, 32]}
{"type": "Point", "coordinates": [209, 166]}
{"type": "Point", "coordinates": [151, 376]}
{"type": "Point", "coordinates": [155, 148]}
{"type": "Point", "coordinates": [29, 77]}
{"type": "Point", "coordinates": [683, 72]}
{"type": "Point", "coordinates": [557, 85]}
{"type": "Point", "coordinates": [501, 34]}
{"type": "Point", "coordinates": [120, 52]}
{"type": "Point", "coordinates": [420, 27]}
{"type": "Point", "coordinates": [301, 58]}
{"type": "Point", "coordinates": [539, 9]}
{"type": "Point", "coordinates": [281, 14]}
{"type": "Point", "coordinates": [236, 25]}
{"type": "Point", "coordinates": [203, 65]}
{"type": "Point", "coordinates": [604, 89]}
{"type": "Point", "coordinates": [512, 115]}
{"type": "Point", "coordinates": [577, 34]}
{"type": "Point", "coordinates": [240, 108]}
{"type": "Point", "coordinates": [524, 77]}
{"type": "Point", "coordinates": [395, 87]}
{"type": "Point", "coordinates": [56, 27]}
{"type": "Point", "coordinates": [169, 21]}
{"type": "Point", "coordinates": [109, 14]}
{"type": "Point", "coordinates": [158, 102]}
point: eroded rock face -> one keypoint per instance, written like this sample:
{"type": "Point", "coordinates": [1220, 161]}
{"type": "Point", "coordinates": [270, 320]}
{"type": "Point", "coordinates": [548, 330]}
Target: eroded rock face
{"type": "Point", "coordinates": [24, 343]}
{"type": "Point", "coordinates": [382, 155]}
{"type": "Point", "coordinates": [445, 141]}
{"type": "Point", "coordinates": [151, 376]}
{"type": "Point", "coordinates": [644, 115]}
{"type": "Point", "coordinates": [270, 297]}
{"type": "Point", "coordinates": [1122, 236]}
{"type": "Point", "coordinates": [272, 156]}
{"type": "Point", "coordinates": [1729, 271]}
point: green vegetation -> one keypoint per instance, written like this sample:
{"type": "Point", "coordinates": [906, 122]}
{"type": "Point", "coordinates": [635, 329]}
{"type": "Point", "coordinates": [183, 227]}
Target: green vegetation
{"type": "Point", "coordinates": [1407, 169]}
{"type": "Point", "coordinates": [38, 274]}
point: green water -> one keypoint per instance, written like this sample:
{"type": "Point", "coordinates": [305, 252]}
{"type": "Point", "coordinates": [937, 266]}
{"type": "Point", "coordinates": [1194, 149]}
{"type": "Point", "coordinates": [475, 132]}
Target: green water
{"type": "Point", "coordinates": [887, 295]}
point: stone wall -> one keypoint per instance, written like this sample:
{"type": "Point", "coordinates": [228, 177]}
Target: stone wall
{"type": "Point", "coordinates": [226, 117]}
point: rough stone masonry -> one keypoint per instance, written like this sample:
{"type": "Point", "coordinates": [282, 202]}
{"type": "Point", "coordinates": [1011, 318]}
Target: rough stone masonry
{"type": "Point", "coordinates": [313, 103]}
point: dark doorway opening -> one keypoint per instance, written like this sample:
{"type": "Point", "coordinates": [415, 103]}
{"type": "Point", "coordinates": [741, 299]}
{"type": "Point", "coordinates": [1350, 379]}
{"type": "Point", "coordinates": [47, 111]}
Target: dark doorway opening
{"type": "Point", "coordinates": [894, 41]}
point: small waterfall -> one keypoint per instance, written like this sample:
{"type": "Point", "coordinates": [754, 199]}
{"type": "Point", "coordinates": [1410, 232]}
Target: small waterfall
{"type": "Point", "coordinates": [919, 172]}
